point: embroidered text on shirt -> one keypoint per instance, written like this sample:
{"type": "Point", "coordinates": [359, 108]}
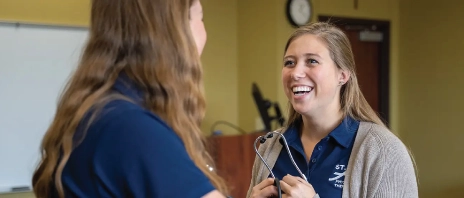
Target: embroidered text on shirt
{"type": "Point", "coordinates": [338, 175]}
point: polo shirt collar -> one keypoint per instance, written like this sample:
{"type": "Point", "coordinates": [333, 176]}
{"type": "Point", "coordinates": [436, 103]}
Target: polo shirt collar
{"type": "Point", "coordinates": [127, 87]}
{"type": "Point", "coordinates": [345, 131]}
{"type": "Point", "coordinates": [343, 134]}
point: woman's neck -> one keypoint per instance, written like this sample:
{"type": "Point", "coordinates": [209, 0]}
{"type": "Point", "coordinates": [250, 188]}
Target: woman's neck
{"type": "Point", "coordinates": [317, 127]}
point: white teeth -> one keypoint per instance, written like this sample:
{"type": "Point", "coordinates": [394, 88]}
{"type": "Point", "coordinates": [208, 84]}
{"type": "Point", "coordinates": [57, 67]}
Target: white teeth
{"type": "Point", "coordinates": [302, 88]}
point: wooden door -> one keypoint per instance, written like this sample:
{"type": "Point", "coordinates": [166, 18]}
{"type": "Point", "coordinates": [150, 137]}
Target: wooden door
{"type": "Point", "coordinates": [366, 56]}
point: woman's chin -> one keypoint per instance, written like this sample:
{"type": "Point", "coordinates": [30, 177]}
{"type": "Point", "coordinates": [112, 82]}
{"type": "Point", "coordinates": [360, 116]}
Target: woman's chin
{"type": "Point", "coordinates": [301, 108]}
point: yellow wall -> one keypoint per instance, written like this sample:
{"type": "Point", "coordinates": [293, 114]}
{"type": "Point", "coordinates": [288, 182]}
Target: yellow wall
{"type": "Point", "coordinates": [68, 12]}
{"type": "Point", "coordinates": [18, 195]}
{"type": "Point", "coordinates": [220, 64]}
{"type": "Point", "coordinates": [431, 92]}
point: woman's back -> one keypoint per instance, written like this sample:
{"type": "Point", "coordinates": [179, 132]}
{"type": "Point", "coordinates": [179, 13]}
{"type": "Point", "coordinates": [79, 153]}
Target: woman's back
{"type": "Point", "coordinates": [130, 152]}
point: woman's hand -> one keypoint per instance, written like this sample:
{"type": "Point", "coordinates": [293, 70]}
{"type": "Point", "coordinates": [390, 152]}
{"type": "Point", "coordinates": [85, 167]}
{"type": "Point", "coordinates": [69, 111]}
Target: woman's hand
{"type": "Point", "coordinates": [264, 189]}
{"type": "Point", "coordinates": [296, 187]}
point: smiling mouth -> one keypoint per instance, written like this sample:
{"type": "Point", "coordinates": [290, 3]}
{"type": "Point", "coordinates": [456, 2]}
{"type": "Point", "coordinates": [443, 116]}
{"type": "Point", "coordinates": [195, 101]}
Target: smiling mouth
{"type": "Point", "coordinates": [301, 90]}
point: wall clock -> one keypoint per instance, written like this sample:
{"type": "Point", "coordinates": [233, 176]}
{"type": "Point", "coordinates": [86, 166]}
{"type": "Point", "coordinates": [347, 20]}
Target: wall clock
{"type": "Point", "coordinates": [299, 12]}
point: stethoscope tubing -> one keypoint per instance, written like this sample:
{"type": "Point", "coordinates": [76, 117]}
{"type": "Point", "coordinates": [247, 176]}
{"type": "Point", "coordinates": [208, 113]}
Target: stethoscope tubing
{"type": "Point", "coordinates": [263, 138]}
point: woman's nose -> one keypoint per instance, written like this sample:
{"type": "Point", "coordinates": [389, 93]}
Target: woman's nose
{"type": "Point", "coordinates": [298, 73]}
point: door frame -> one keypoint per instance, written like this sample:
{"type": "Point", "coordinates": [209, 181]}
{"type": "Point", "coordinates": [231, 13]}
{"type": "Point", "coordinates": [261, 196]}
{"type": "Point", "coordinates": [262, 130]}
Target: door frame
{"type": "Point", "coordinates": [384, 57]}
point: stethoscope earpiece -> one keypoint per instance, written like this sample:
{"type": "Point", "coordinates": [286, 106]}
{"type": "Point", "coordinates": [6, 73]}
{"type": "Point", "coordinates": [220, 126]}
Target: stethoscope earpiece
{"type": "Point", "coordinates": [281, 141]}
{"type": "Point", "coordinates": [262, 140]}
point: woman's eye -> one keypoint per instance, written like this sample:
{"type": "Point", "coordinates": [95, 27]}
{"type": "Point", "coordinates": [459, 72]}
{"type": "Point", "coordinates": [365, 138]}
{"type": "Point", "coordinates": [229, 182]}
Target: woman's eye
{"type": "Point", "coordinates": [312, 61]}
{"type": "Point", "coordinates": [288, 63]}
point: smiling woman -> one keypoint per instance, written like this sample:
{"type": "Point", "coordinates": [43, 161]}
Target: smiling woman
{"type": "Point", "coordinates": [333, 134]}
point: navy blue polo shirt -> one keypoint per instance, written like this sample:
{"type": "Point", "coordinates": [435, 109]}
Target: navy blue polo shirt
{"type": "Point", "coordinates": [326, 168]}
{"type": "Point", "coordinates": [130, 152]}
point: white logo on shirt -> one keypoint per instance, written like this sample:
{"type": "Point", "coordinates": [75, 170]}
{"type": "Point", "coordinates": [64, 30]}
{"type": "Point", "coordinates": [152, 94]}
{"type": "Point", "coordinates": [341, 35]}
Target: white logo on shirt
{"type": "Point", "coordinates": [339, 176]}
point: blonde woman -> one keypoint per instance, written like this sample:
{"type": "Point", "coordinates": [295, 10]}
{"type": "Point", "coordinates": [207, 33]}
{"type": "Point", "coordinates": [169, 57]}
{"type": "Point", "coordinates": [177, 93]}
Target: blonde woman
{"type": "Point", "coordinates": [337, 141]}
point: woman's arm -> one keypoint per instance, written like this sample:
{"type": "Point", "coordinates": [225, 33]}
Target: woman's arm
{"type": "Point", "coordinates": [399, 176]}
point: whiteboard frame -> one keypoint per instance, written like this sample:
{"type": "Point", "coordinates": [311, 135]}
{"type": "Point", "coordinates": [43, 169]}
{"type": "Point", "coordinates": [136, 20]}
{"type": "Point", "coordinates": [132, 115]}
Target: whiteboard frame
{"type": "Point", "coordinates": [48, 25]}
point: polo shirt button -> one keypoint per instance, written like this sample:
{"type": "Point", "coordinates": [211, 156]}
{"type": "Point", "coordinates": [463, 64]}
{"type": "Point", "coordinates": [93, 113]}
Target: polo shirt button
{"type": "Point", "coordinates": [314, 160]}
{"type": "Point", "coordinates": [319, 147]}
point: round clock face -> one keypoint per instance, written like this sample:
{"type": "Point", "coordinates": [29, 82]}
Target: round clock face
{"type": "Point", "coordinates": [299, 11]}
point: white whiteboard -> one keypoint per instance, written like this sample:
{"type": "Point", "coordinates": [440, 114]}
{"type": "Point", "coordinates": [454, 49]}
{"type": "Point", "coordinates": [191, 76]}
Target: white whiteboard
{"type": "Point", "coordinates": [35, 63]}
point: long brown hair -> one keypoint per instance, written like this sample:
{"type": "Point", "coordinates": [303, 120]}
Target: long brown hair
{"type": "Point", "coordinates": [151, 42]}
{"type": "Point", "coordinates": [352, 100]}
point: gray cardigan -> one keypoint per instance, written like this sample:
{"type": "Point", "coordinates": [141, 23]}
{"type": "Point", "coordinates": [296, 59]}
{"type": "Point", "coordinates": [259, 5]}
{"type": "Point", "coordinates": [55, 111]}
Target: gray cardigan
{"type": "Point", "coordinates": [379, 166]}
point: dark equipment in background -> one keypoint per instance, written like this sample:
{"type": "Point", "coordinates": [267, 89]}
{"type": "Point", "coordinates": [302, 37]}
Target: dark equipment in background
{"type": "Point", "coordinates": [263, 106]}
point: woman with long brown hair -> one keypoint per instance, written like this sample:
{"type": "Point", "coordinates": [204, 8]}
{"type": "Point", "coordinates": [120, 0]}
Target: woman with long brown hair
{"type": "Point", "coordinates": [128, 122]}
{"type": "Point", "coordinates": [340, 146]}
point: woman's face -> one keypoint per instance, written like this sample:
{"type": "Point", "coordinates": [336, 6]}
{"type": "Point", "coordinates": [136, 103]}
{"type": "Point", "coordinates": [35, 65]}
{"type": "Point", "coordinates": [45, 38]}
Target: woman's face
{"type": "Point", "coordinates": [197, 26]}
{"type": "Point", "coordinates": [310, 77]}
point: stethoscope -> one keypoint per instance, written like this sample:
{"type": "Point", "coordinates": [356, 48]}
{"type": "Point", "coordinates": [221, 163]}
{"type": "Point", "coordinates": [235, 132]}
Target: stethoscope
{"type": "Point", "coordinates": [263, 139]}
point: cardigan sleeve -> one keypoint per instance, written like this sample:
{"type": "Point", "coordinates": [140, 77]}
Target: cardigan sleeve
{"type": "Point", "coordinates": [253, 177]}
{"type": "Point", "coordinates": [399, 176]}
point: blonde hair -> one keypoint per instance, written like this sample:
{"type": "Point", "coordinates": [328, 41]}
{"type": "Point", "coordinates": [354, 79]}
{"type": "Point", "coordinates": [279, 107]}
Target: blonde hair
{"type": "Point", "coordinates": [151, 42]}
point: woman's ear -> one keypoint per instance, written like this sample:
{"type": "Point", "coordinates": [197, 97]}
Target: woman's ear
{"type": "Point", "coordinates": [343, 76]}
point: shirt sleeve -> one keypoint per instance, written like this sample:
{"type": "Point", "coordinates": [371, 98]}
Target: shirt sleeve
{"type": "Point", "coordinates": [140, 156]}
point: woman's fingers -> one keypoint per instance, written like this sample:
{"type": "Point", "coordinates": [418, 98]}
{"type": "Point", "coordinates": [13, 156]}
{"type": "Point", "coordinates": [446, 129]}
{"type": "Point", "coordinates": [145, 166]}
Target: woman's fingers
{"type": "Point", "coordinates": [285, 186]}
{"type": "Point", "coordinates": [292, 180]}
{"type": "Point", "coordinates": [269, 191]}
{"type": "Point", "coordinates": [296, 187]}
{"type": "Point", "coordinates": [264, 183]}
{"type": "Point", "coordinates": [264, 189]}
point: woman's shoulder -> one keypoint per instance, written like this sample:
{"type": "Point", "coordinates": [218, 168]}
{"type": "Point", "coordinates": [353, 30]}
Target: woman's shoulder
{"type": "Point", "coordinates": [121, 121]}
{"type": "Point", "coordinates": [379, 152]}
{"type": "Point", "coordinates": [381, 143]}
{"type": "Point", "coordinates": [128, 111]}
{"type": "Point", "coordinates": [271, 139]}
{"type": "Point", "coordinates": [378, 136]}
{"type": "Point", "coordinates": [119, 115]}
